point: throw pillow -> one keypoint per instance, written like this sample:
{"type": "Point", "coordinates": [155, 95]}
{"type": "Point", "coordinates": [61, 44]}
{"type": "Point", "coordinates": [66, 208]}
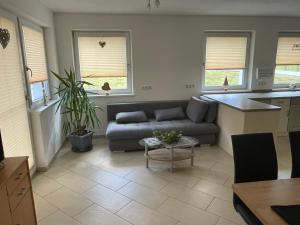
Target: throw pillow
{"type": "Point", "coordinates": [212, 111]}
{"type": "Point", "coordinates": [196, 109]}
{"type": "Point", "coordinates": [169, 114]}
{"type": "Point", "coordinates": [131, 117]}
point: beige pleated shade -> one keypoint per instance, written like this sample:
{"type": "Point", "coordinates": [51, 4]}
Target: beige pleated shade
{"type": "Point", "coordinates": [14, 123]}
{"type": "Point", "coordinates": [226, 53]}
{"type": "Point", "coordinates": [107, 61]}
{"type": "Point", "coordinates": [288, 51]}
{"type": "Point", "coordinates": [35, 54]}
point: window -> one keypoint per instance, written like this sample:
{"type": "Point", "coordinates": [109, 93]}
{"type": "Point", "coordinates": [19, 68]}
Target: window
{"type": "Point", "coordinates": [36, 65]}
{"type": "Point", "coordinates": [104, 57]}
{"type": "Point", "coordinates": [14, 123]}
{"type": "Point", "coordinates": [287, 70]}
{"type": "Point", "coordinates": [226, 55]}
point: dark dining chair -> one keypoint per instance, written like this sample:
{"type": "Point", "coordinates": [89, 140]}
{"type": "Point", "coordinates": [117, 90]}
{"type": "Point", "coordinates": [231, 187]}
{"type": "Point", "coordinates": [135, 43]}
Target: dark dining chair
{"type": "Point", "coordinates": [254, 160]}
{"type": "Point", "coordinates": [295, 150]}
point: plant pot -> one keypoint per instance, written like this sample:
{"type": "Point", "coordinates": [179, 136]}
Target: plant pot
{"type": "Point", "coordinates": [81, 143]}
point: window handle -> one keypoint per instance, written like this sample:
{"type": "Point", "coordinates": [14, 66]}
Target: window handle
{"type": "Point", "coordinates": [28, 69]}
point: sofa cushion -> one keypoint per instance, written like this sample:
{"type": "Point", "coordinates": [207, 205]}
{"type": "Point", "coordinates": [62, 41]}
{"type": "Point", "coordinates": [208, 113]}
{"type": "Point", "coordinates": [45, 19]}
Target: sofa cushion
{"type": "Point", "coordinates": [117, 131]}
{"type": "Point", "coordinates": [131, 117]}
{"type": "Point", "coordinates": [196, 109]}
{"type": "Point", "coordinates": [169, 114]}
{"type": "Point", "coordinates": [212, 111]}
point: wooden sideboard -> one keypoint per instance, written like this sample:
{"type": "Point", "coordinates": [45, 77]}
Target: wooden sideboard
{"type": "Point", "coordinates": [16, 198]}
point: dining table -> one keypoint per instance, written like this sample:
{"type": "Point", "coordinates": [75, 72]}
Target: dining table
{"type": "Point", "coordinates": [260, 196]}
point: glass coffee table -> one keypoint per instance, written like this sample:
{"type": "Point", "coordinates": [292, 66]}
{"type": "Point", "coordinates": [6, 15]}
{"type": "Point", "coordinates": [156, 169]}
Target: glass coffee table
{"type": "Point", "coordinates": [160, 151]}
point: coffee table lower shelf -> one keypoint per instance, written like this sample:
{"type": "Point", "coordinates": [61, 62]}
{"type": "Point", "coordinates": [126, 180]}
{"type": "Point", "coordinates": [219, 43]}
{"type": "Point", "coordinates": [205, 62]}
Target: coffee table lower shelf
{"type": "Point", "coordinates": [170, 155]}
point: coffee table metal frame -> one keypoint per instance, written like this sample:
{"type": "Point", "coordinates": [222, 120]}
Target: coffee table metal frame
{"type": "Point", "coordinates": [186, 143]}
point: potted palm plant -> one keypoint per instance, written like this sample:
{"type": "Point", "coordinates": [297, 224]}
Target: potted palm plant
{"type": "Point", "coordinates": [80, 113]}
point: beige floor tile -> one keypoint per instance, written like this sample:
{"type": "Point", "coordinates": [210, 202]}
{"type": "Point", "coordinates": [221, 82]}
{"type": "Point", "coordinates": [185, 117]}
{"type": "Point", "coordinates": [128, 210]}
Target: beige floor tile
{"type": "Point", "coordinates": [210, 175]}
{"type": "Point", "coordinates": [107, 198]}
{"type": "Point", "coordinates": [180, 177]}
{"type": "Point", "coordinates": [76, 182]}
{"type": "Point", "coordinates": [224, 167]}
{"type": "Point", "coordinates": [144, 195]}
{"type": "Point", "coordinates": [108, 180]}
{"type": "Point", "coordinates": [42, 207]}
{"type": "Point", "coordinates": [225, 222]}
{"type": "Point", "coordinates": [69, 202]}
{"type": "Point", "coordinates": [115, 168]}
{"type": "Point", "coordinates": [81, 167]}
{"type": "Point", "coordinates": [96, 215]}
{"type": "Point", "coordinates": [226, 210]}
{"type": "Point", "coordinates": [186, 213]}
{"type": "Point", "coordinates": [229, 182]}
{"type": "Point", "coordinates": [55, 172]}
{"type": "Point", "coordinates": [58, 218]}
{"type": "Point", "coordinates": [187, 195]}
{"type": "Point", "coordinates": [138, 214]}
{"type": "Point", "coordinates": [148, 179]}
{"type": "Point", "coordinates": [213, 189]}
{"type": "Point", "coordinates": [43, 185]}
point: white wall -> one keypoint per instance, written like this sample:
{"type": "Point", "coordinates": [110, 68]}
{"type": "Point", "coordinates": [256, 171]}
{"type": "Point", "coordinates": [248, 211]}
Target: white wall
{"type": "Point", "coordinates": [46, 124]}
{"type": "Point", "coordinates": [167, 51]}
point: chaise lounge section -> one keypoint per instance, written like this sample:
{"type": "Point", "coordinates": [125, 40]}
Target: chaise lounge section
{"type": "Point", "coordinates": [125, 136]}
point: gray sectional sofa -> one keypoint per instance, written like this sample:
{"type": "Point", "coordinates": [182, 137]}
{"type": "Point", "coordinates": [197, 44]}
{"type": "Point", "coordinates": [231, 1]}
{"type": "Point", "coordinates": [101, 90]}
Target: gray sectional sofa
{"type": "Point", "coordinates": [125, 136]}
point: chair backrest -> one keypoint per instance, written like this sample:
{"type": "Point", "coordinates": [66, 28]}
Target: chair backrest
{"type": "Point", "coordinates": [295, 150]}
{"type": "Point", "coordinates": [254, 158]}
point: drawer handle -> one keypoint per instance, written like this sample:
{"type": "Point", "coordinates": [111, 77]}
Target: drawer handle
{"type": "Point", "coordinates": [18, 178]}
{"type": "Point", "coordinates": [20, 174]}
{"type": "Point", "coordinates": [23, 190]}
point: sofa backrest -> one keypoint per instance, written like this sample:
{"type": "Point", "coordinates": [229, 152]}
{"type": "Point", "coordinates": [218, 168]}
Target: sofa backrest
{"type": "Point", "coordinates": [148, 107]}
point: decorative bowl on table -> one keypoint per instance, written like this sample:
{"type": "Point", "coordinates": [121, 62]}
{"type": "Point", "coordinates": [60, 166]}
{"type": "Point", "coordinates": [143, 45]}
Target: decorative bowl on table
{"type": "Point", "coordinates": [168, 137]}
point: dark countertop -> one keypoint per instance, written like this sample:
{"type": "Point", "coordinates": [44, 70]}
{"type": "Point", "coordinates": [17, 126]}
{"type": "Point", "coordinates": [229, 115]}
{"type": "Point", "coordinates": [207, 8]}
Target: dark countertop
{"type": "Point", "coordinates": [246, 101]}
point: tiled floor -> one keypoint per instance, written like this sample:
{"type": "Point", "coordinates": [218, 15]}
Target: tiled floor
{"type": "Point", "coordinates": [105, 188]}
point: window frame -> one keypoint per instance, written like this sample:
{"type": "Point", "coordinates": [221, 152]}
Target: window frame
{"type": "Point", "coordinates": [248, 35]}
{"type": "Point", "coordinates": [39, 102]}
{"type": "Point", "coordinates": [284, 34]}
{"type": "Point", "coordinates": [127, 34]}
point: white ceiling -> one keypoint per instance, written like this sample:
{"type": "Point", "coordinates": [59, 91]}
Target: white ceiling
{"type": "Point", "coordinates": [180, 7]}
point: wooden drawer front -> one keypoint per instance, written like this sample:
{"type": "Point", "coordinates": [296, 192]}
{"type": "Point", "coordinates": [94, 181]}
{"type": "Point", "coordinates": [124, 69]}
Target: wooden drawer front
{"type": "Point", "coordinates": [5, 217]}
{"type": "Point", "coordinates": [19, 193]}
{"type": "Point", "coordinates": [24, 213]}
{"type": "Point", "coordinates": [16, 178]}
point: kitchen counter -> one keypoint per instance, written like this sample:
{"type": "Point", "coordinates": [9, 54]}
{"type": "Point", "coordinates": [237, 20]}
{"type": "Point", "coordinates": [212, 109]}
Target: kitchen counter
{"type": "Point", "coordinates": [245, 102]}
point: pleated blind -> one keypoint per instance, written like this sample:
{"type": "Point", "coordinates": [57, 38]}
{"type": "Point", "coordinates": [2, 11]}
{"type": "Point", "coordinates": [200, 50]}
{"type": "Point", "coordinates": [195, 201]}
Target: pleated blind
{"type": "Point", "coordinates": [288, 51]}
{"type": "Point", "coordinates": [226, 53]}
{"type": "Point", "coordinates": [35, 54]}
{"type": "Point", "coordinates": [14, 123]}
{"type": "Point", "coordinates": [107, 61]}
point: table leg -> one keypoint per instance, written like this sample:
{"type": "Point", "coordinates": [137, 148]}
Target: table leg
{"type": "Point", "coordinates": [192, 157]}
{"type": "Point", "coordinates": [172, 159]}
{"type": "Point", "coordinates": [146, 155]}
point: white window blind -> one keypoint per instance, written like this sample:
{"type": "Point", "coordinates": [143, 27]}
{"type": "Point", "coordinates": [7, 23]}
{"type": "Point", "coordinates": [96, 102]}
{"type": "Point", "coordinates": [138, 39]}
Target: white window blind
{"type": "Point", "coordinates": [107, 61]}
{"type": "Point", "coordinates": [288, 51]}
{"type": "Point", "coordinates": [226, 53]}
{"type": "Point", "coordinates": [14, 123]}
{"type": "Point", "coordinates": [35, 54]}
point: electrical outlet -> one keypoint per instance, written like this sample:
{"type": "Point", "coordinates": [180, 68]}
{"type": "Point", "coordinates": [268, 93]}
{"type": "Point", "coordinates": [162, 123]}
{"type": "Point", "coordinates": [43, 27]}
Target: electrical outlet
{"type": "Point", "coordinates": [189, 86]}
{"type": "Point", "coordinates": [146, 87]}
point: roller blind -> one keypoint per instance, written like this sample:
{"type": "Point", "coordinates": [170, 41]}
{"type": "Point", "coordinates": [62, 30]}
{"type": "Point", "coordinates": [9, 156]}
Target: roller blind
{"type": "Point", "coordinates": [226, 53]}
{"type": "Point", "coordinates": [107, 61]}
{"type": "Point", "coordinates": [288, 51]}
{"type": "Point", "coordinates": [35, 54]}
{"type": "Point", "coordinates": [14, 123]}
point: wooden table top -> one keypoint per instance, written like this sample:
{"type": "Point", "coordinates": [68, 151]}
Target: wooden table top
{"type": "Point", "coordinates": [259, 196]}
